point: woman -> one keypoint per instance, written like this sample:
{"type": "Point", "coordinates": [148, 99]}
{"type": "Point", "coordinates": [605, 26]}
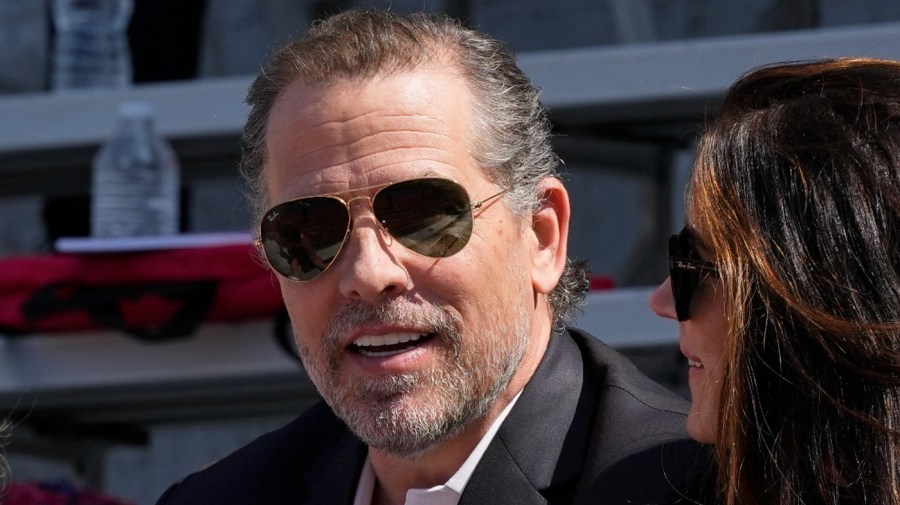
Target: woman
{"type": "Point", "coordinates": [786, 285]}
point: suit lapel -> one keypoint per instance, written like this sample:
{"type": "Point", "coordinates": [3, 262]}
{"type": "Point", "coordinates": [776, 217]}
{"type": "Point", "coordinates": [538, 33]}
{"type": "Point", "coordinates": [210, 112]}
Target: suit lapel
{"type": "Point", "coordinates": [498, 479]}
{"type": "Point", "coordinates": [541, 445]}
{"type": "Point", "coordinates": [333, 480]}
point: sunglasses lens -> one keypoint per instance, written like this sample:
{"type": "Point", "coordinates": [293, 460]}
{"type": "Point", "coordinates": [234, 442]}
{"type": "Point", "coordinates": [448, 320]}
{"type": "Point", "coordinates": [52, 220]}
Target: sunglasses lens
{"type": "Point", "coordinates": [302, 237]}
{"type": "Point", "coordinates": [683, 286]}
{"type": "Point", "coordinates": [429, 216]}
{"type": "Point", "coordinates": [684, 282]}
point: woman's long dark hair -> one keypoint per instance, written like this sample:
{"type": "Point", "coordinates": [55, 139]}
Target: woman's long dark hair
{"type": "Point", "coordinates": [796, 193]}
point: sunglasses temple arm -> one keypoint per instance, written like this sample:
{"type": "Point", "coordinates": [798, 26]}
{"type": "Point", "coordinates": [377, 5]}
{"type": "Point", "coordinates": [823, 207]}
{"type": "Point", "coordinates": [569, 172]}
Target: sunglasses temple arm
{"type": "Point", "coordinates": [477, 205]}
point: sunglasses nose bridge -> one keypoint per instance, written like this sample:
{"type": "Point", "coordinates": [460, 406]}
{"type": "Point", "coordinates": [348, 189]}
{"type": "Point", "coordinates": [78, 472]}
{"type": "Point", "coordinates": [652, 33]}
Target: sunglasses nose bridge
{"type": "Point", "coordinates": [353, 202]}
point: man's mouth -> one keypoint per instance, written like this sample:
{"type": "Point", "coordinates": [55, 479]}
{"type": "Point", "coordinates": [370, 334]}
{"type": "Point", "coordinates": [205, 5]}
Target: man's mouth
{"type": "Point", "coordinates": [388, 344]}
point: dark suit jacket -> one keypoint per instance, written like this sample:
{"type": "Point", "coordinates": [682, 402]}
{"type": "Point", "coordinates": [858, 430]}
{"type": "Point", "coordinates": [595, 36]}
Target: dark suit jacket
{"type": "Point", "coordinates": [588, 428]}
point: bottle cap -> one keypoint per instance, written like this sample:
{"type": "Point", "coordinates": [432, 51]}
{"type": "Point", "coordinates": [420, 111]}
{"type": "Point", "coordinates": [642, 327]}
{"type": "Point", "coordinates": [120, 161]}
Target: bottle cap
{"type": "Point", "coordinates": [135, 110]}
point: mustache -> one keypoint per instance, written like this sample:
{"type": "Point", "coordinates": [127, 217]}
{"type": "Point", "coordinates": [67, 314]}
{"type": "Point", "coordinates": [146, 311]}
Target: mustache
{"type": "Point", "coordinates": [395, 311]}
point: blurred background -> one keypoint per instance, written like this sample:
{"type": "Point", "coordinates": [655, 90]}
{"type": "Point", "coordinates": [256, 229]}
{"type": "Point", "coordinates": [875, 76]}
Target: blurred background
{"type": "Point", "coordinates": [628, 82]}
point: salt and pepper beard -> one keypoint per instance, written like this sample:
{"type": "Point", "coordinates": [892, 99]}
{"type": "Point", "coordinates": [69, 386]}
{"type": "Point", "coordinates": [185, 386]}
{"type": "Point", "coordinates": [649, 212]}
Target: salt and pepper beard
{"type": "Point", "coordinates": [390, 413]}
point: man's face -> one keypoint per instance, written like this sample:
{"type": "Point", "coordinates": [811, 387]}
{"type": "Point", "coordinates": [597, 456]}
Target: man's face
{"type": "Point", "coordinates": [405, 348]}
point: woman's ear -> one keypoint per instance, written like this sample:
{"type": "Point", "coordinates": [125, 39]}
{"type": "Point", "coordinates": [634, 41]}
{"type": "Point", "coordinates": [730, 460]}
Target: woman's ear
{"type": "Point", "coordinates": [550, 228]}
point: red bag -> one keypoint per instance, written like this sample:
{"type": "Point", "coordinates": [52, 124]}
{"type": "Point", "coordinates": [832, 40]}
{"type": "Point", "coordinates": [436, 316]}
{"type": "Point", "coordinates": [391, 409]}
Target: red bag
{"type": "Point", "coordinates": [152, 294]}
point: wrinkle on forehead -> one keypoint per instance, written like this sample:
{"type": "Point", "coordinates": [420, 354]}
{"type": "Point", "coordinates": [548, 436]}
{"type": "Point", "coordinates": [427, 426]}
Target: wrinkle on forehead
{"type": "Point", "coordinates": [370, 123]}
{"type": "Point", "coordinates": [333, 182]}
{"type": "Point", "coordinates": [338, 147]}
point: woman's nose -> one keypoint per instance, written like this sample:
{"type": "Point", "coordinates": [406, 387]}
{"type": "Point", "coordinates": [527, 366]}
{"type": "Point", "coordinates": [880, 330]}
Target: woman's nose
{"type": "Point", "coordinates": [662, 302]}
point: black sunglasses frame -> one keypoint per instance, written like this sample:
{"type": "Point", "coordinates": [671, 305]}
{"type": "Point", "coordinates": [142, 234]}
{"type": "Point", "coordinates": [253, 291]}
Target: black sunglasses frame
{"type": "Point", "coordinates": [463, 204]}
{"type": "Point", "coordinates": [687, 270]}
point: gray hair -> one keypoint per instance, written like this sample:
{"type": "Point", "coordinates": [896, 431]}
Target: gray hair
{"type": "Point", "coordinates": [510, 137]}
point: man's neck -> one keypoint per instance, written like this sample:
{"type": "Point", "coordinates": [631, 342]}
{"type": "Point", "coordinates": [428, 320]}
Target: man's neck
{"type": "Point", "coordinates": [447, 466]}
{"type": "Point", "coordinates": [396, 475]}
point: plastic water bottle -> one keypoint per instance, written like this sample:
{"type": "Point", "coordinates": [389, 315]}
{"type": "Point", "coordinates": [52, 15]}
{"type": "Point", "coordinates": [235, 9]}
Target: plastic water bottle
{"type": "Point", "coordinates": [91, 46]}
{"type": "Point", "coordinates": [136, 179]}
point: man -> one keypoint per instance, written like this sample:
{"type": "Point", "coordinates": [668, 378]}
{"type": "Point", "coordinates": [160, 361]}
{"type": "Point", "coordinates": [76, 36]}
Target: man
{"type": "Point", "coordinates": [429, 292]}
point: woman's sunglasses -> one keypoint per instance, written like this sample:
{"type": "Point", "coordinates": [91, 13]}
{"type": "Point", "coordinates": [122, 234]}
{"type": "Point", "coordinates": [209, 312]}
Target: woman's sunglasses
{"type": "Point", "coordinates": [686, 271]}
{"type": "Point", "coordinates": [301, 238]}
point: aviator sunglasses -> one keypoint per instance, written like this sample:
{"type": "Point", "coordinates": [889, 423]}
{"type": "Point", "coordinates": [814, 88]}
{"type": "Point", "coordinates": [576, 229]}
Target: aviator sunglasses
{"type": "Point", "coordinates": [431, 216]}
{"type": "Point", "coordinates": [686, 271]}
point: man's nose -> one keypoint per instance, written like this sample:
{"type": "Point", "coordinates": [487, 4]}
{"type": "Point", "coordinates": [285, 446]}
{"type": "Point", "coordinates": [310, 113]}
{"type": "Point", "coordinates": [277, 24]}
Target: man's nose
{"type": "Point", "coordinates": [662, 302]}
{"type": "Point", "coordinates": [368, 267]}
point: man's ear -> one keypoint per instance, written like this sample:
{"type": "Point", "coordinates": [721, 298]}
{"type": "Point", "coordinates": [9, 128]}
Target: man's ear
{"type": "Point", "coordinates": [550, 228]}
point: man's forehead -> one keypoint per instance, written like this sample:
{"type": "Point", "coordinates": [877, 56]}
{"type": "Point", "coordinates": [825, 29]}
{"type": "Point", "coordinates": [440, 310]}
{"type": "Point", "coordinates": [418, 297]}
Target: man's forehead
{"type": "Point", "coordinates": [403, 125]}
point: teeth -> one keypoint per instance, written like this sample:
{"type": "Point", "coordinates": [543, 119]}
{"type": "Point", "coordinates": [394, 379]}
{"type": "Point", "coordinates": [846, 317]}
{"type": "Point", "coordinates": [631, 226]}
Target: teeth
{"type": "Point", "coordinates": [387, 339]}
{"type": "Point", "coordinates": [694, 363]}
